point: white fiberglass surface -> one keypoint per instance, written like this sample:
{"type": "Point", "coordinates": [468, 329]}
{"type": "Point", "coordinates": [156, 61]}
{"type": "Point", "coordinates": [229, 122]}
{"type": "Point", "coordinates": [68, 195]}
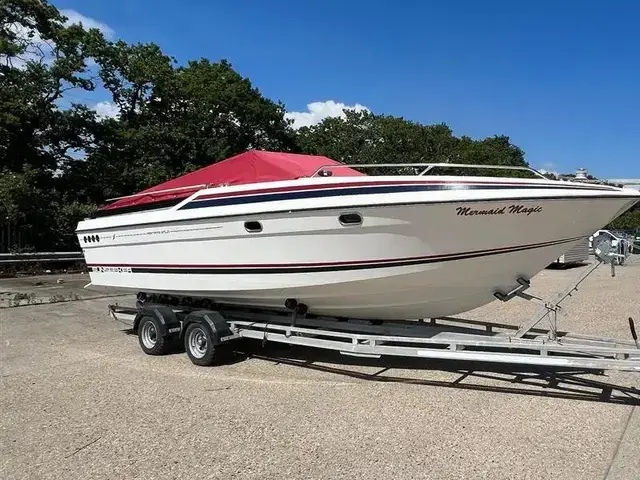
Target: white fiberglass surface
{"type": "Point", "coordinates": [313, 239]}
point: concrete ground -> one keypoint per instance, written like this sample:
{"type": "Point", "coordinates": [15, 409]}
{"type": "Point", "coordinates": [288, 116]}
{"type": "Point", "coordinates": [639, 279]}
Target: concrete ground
{"type": "Point", "coordinates": [51, 288]}
{"type": "Point", "coordinates": [79, 399]}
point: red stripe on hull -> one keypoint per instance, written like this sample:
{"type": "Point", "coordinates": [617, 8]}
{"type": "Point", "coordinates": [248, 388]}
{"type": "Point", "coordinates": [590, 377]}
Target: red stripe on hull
{"type": "Point", "coordinates": [329, 264]}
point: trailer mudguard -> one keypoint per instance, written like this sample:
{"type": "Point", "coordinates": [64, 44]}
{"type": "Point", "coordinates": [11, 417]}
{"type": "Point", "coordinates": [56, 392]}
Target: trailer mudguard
{"type": "Point", "coordinates": [210, 318]}
{"type": "Point", "coordinates": [166, 317]}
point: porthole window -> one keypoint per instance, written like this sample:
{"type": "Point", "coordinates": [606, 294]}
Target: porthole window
{"type": "Point", "coordinates": [350, 219]}
{"type": "Point", "coordinates": [97, 238]}
{"type": "Point", "coordinates": [85, 239]}
{"type": "Point", "coordinates": [253, 226]}
{"type": "Point", "coordinates": [93, 238]}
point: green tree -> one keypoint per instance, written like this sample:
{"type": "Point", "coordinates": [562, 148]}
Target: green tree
{"type": "Point", "coordinates": [41, 60]}
{"type": "Point", "coordinates": [175, 119]}
{"type": "Point", "coordinates": [496, 150]}
{"type": "Point", "coordinates": [365, 137]}
{"type": "Point", "coordinates": [628, 221]}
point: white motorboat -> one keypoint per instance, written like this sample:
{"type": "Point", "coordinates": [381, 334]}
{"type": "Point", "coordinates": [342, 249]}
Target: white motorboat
{"type": "Point", "coordinates": [264, 227]}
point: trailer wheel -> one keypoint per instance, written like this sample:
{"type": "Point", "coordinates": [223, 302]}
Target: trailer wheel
{"type": "Point", "coordinates": [199, 344]}
{"type": "Point", "coordinates": [149, 337]}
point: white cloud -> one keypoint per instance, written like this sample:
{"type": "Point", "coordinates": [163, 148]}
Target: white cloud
{"type": "Point", "coordinates": [35, 47]}
{"type": "Point", "coordinates": [318, 111]}
{"type": "Point", "coordinates": [40, 50]}
{"type": "Point", "coordinates": [548, 168]}
{"type": "Point", "coordinates": [87, 22]}
{"type": "Point", "coordinates": [106, 110]}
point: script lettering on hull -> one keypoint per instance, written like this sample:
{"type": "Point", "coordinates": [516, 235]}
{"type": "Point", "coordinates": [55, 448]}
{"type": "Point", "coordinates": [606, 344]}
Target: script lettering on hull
{"type": "Point", "coordinates": [504, 210]}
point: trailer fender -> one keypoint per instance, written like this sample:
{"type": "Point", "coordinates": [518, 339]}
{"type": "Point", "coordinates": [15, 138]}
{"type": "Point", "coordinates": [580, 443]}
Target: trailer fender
{"type": "Point", "coordinates": [167, 319]}
{"type": "Point", "coordinates": [216, 323]}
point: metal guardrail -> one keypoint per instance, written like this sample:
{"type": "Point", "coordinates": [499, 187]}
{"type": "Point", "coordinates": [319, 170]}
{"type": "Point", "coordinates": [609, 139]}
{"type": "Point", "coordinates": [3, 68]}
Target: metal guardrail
{"type": "Point", "coordinates": [33, 257]}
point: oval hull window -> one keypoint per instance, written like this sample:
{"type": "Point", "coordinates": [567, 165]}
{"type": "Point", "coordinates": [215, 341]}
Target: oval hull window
{"type": "Point", "coordinates": [350, 219]}
{"type": "Point", "coordinates": [253, 227]}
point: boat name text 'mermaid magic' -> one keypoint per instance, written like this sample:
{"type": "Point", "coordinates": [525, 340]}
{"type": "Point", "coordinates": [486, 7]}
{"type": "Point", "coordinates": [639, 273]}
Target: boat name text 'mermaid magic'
{"type": "Point", "coordinates": [511, 209]}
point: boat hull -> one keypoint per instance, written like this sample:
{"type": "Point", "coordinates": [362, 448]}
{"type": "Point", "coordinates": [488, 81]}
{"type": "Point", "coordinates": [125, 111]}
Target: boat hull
{"type": "Point", "coordinates": [402, 261]}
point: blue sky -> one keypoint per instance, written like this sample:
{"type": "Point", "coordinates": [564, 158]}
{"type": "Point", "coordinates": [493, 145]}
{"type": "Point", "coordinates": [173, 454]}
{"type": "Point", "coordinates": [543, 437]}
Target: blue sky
{"type": "Point", "coordinates": [562, 79]}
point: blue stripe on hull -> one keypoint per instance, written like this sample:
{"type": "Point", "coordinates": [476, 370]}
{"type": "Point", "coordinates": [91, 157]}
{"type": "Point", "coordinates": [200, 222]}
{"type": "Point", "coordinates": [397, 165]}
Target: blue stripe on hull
{"type": "Point", "coordinates": [335, 192]}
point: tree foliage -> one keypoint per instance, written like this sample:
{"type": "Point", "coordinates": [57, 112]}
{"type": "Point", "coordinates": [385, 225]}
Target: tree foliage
{"type": "Point", "coordinates": [628, 221]}
{"type": "Point", "coordinates": [175, 119]}
{"type": "Point", "coordinates": [365, 138]}
{"type": "Point", "coordinates": [40, 60]}
{"type": "Point", "coordinates": [60, 160]}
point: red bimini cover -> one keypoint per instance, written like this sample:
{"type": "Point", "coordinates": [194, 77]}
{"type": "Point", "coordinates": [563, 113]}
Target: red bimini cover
{"type": "Point", "coordinates": [249, 167]}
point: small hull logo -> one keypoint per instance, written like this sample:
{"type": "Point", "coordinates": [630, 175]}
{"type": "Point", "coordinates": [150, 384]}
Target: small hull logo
{"type": "Point", "coordinates": [112, 269]}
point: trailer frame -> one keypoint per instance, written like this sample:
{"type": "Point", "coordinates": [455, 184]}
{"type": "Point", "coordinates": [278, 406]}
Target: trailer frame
{"type": "Point", "coordinates": [207, 333]}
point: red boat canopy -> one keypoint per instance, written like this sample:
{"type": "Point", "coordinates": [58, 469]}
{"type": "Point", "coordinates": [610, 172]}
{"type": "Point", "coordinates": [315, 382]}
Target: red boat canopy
{"type": "Point", "coordinates": [248, 167]}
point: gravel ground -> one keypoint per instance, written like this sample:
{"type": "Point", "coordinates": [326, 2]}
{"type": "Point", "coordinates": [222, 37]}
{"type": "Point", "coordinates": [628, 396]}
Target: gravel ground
{"type": "Point", "coordinates": [79, 399]}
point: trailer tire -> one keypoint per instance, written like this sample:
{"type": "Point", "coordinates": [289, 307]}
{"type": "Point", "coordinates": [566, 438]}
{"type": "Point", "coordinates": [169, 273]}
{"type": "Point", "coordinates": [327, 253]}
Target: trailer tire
{"type": "Point", "coordinates": [150, 337]}
{"type": "Point", "coordinates": [200, 345]}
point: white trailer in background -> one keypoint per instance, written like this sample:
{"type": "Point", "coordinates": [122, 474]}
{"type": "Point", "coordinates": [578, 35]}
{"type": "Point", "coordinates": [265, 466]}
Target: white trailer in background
{"type": "Point", "coordinates": [577, 254]}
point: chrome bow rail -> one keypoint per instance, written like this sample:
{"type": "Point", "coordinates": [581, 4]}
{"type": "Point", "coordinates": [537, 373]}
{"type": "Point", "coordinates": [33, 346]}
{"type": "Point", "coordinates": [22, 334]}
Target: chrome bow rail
{"type": "Point", "coordinates": [427, 167]}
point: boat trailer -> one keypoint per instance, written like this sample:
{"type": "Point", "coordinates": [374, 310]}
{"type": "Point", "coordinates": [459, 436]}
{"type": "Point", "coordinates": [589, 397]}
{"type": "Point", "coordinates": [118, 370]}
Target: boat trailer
{"type": "Point", "coordinates": [207, 331]}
